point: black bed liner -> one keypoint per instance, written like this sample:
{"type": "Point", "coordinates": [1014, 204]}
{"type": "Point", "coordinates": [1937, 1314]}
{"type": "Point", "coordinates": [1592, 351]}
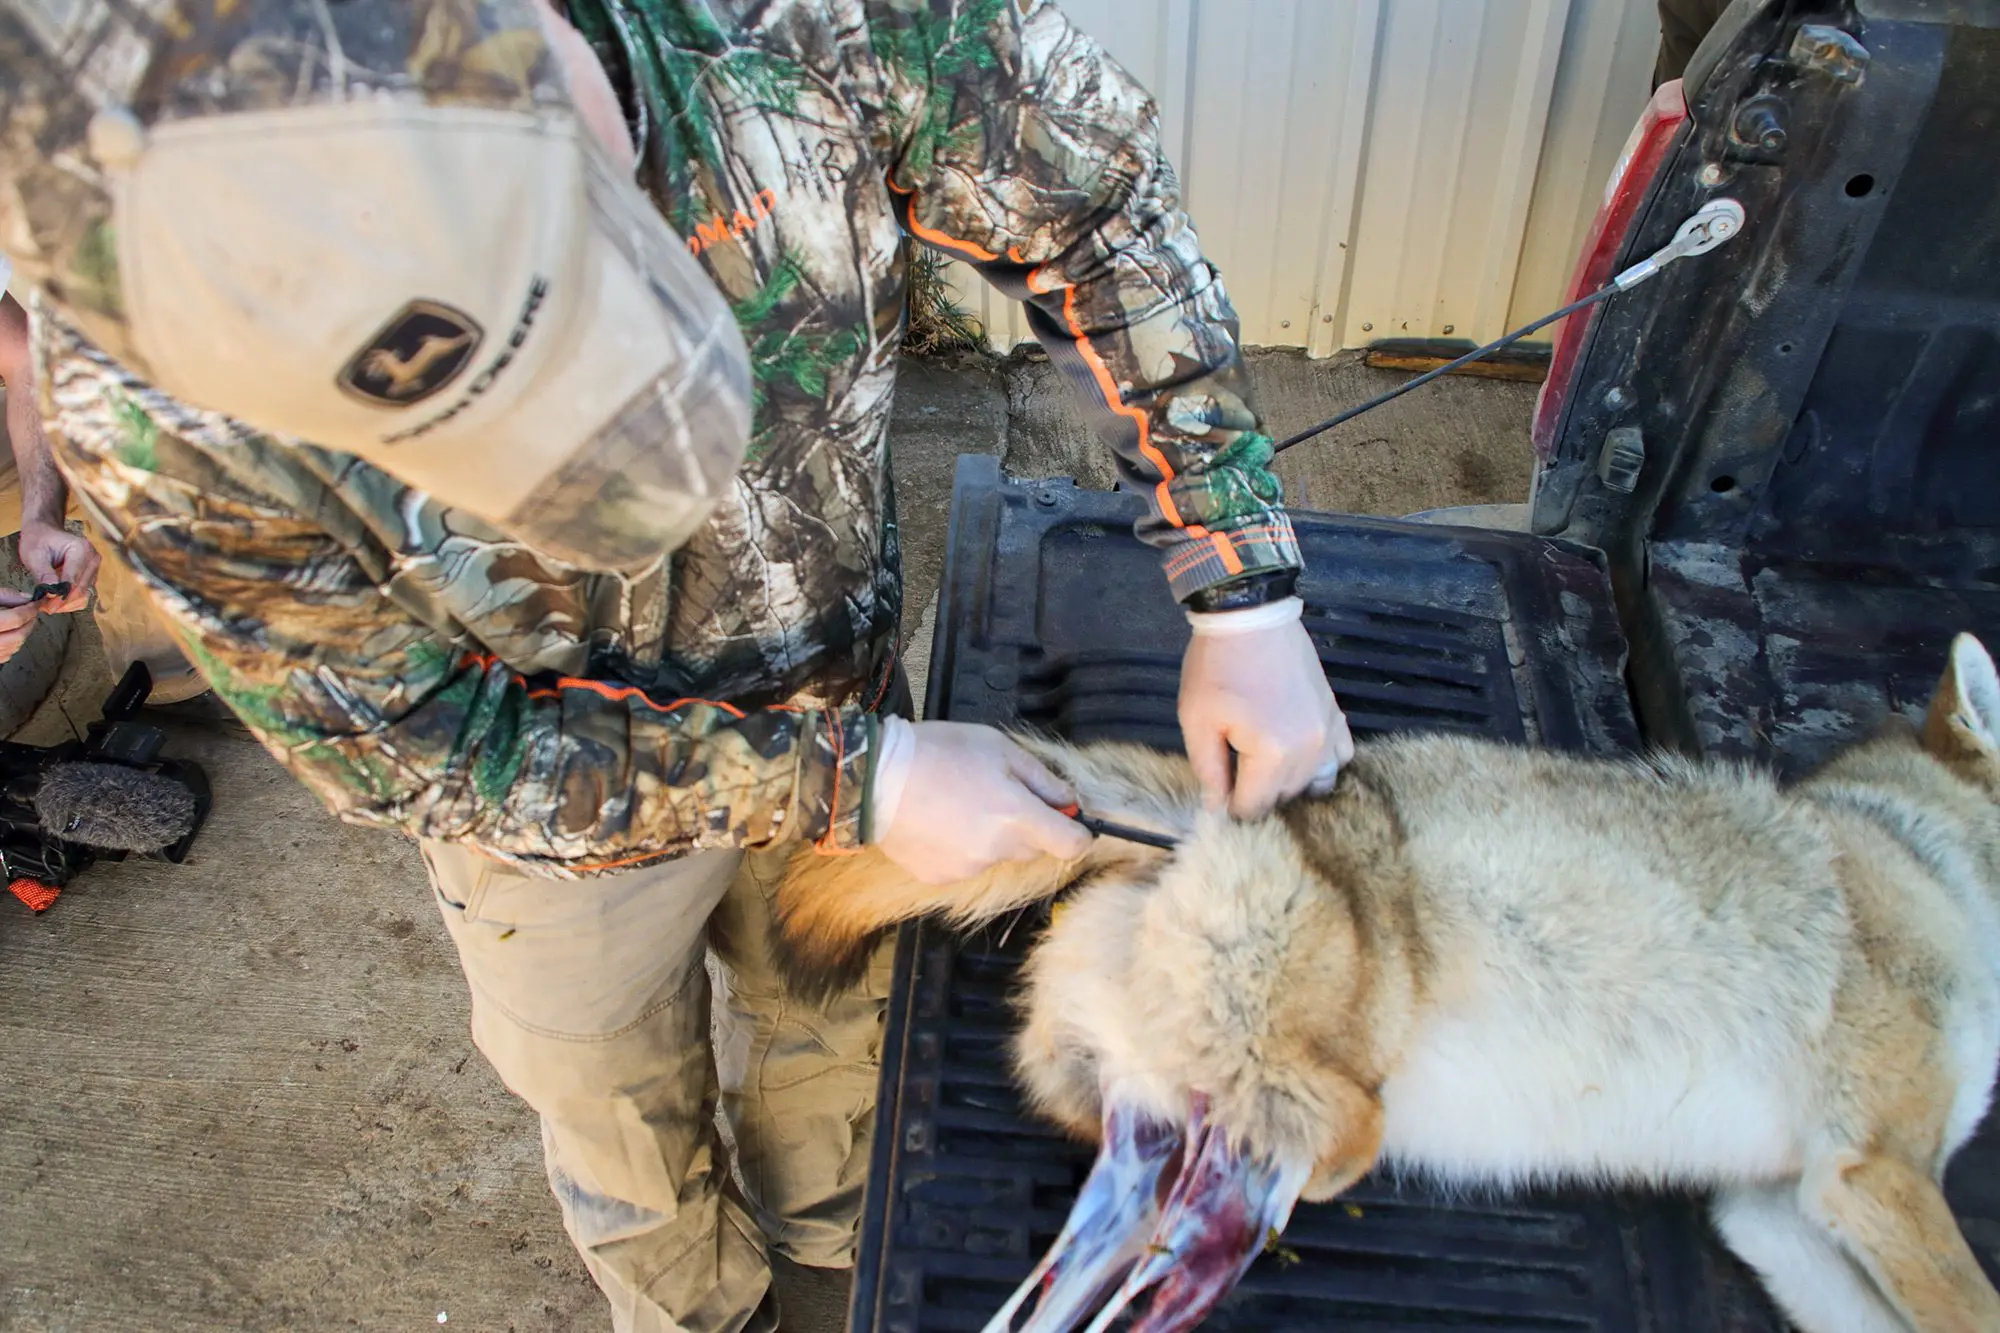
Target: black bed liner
{"type": "Point", "coordinates": [1819, 400]}
{"type": "Point", "coordinates": [1054, 615]}
{"type": "Point", "coordinates": [1817, 512]}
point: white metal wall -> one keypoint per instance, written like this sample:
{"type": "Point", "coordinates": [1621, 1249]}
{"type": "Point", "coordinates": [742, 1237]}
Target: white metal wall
{"type": "Point", "coordinates": [1362, 169]}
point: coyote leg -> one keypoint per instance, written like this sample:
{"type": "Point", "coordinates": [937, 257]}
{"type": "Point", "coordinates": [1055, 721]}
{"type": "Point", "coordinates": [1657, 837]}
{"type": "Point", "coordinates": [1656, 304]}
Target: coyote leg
{"type": "Point", "coordinates": [1813, 1281]}
{"type": "Point", "coordinates": [1893, 1219]}
{"type": "Point", "coordinates": [1352, 1154]}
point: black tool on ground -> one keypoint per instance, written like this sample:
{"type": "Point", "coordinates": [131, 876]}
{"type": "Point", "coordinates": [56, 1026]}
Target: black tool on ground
{"type": "Point", "coordinates": [58, 589]}
{"type": "Point", "coordinates": [1714, 223]}
{"type": "Point", "coordinates": [101, 798]}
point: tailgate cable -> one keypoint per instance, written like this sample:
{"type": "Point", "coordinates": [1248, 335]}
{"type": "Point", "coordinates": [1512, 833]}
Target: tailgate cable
{"type": "Point", "coordinates": [1715, 222]}
{"type": "Point", "coordinates": [1711, 225]}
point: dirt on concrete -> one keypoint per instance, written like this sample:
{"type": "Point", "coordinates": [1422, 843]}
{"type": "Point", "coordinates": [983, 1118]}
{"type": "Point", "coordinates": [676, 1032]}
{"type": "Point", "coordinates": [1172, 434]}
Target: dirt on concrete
{"type": "Point", "coordinates": [240, 1093]}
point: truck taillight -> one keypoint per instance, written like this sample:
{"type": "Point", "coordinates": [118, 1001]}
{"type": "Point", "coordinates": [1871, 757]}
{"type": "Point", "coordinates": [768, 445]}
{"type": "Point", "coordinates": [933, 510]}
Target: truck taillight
{"type": "Point", "coordinates": [1637, 165]}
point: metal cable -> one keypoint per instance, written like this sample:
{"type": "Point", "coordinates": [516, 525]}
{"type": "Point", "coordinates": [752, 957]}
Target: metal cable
{"type": "Point", "coordinates": [1445, 369]}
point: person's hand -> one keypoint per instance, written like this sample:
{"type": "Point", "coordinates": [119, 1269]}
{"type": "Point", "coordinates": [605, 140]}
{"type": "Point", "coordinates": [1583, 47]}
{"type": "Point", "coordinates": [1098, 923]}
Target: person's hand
{"type": "Point", "coordinates": [51, 555]}
{"type": "Point", "coordinates": [17, 621]}
{"type": "Point", "coordinates": [951, 799]}
{"type": "Point", "coordinates": [1251, 684]}
{"type": "Point", "coordinates": [54, 554]}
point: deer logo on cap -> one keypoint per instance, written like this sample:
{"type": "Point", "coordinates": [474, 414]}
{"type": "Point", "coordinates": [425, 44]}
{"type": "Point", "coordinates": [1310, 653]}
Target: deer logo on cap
{"type": "Point", "coordinates": [418, 352]}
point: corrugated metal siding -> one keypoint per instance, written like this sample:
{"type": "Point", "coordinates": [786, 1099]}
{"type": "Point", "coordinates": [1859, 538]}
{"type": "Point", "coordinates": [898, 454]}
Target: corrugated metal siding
{"type": "Point", "coordinates": [1602, 85]}
{"type": "Point", "coordinates": [1455, 131]}
{"type": "Point", "coordinates": [1361, 169]}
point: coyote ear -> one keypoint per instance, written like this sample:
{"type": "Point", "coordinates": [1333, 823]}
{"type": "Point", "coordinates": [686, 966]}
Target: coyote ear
{"type": "Point", "coordinates": [1965, 711]}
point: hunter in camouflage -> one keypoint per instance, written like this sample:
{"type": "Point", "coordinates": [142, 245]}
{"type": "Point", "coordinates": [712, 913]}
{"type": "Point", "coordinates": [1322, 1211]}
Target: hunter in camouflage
{"type": "Point", "coordinates": [660, 736]}
{"type": "Point", "coordinates": [421, 673]}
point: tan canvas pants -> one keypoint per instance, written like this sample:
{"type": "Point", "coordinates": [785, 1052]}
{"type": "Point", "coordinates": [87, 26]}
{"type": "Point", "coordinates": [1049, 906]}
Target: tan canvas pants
{"type": "Point", "coordinates": [592, 1001]}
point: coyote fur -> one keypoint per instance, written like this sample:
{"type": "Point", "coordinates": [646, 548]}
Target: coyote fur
{"type": "Point", "coordinates": [1498, 965]}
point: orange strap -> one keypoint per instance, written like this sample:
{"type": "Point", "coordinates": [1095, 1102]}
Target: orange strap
{"type": "Point", "coordinates": [38, 896]}
{"type": "Point", "coordinates": [1107, 384]}
{"type": "Point", "coordinates": [824, 845]}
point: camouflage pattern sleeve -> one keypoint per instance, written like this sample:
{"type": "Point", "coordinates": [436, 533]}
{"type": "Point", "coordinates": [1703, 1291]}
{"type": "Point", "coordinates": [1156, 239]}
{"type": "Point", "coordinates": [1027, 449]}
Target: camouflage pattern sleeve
{"type": "Point", "coordinates": [358, 630]}
{"type": "Point", "coordinates": [1021, 147]}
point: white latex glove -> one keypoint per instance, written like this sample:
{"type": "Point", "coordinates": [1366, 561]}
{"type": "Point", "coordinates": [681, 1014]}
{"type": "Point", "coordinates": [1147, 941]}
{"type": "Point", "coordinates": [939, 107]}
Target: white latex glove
{"type": "Point", "coordinates": [950, 799]}
{"type": "Point", "coordinates": [1252, 684]}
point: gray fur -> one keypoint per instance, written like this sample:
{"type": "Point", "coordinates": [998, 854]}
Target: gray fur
{"type": "Point", "coordinates": [113, 807]}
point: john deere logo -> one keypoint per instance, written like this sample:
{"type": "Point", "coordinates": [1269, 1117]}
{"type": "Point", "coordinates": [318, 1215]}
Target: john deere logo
{"type": "Point", "coordinates": [417, 353]}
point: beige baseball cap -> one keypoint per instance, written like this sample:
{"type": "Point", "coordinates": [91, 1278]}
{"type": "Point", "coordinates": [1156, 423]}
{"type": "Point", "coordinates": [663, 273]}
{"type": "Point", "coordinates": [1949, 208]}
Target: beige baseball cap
{"type": "Point", "coordinates": [385, 229]}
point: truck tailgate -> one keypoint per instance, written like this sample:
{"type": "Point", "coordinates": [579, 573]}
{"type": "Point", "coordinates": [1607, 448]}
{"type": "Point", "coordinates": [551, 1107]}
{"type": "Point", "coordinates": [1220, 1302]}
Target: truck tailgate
{"type": "Point", "coordinates": [1053, 615]}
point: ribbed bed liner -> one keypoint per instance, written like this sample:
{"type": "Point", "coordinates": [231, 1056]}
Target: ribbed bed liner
{"type": "Point", "coordinates": [1054, 615]}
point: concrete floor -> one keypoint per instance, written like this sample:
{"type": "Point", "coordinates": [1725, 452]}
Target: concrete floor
{"type": "Point", "coordinates": [239, 1094]}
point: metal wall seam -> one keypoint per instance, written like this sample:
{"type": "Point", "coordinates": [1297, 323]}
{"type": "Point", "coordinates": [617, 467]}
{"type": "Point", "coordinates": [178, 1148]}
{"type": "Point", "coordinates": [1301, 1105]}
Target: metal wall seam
{"type": "Point", "coordinates": [1364, 169]}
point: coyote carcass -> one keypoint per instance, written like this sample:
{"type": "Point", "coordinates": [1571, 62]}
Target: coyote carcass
{"type": "Point", "coordinates": [1499, 965]}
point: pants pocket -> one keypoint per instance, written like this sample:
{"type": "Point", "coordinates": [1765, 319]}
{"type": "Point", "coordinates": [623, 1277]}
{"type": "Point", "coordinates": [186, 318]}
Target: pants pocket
{"type": "Point", "coordinates": [458, 876]}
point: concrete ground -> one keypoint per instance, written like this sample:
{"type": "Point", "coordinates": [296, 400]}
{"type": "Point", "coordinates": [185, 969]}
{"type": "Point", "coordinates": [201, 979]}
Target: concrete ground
{"type": "Point", "coordinates": [239, 1093]}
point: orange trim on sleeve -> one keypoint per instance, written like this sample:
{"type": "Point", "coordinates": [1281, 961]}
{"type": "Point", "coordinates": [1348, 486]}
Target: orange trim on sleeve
{"type": "Point", "coordinates": [888, 679]}
{"type": "Point", "coordinates": [1193, 554]}
{"type": "Point", "coordinates": [1227, 550]}
{"type": "Point", "coordinates": [623, 693]}
{"type": "Point", "coordinates": [1109, 388]}
{"type": "Point", "coordinates": [931, 234]}
{"type": "Point", "coordinates": [615, 693]}
{"type": "Point", "coordinates": [823, 845]}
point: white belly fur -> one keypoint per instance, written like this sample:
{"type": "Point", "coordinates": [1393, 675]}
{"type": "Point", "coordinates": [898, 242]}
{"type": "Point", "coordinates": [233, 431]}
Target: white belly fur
{"type": "Point", "coordinates": [1490, 1103]}
{"type": "Point", "coordinates": [1641, 1008]}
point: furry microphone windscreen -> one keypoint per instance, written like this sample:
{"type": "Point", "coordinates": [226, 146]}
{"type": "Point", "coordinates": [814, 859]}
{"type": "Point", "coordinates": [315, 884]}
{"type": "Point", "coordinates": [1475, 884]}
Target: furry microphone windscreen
{"type": "Point", "coordinates": [113, 807]}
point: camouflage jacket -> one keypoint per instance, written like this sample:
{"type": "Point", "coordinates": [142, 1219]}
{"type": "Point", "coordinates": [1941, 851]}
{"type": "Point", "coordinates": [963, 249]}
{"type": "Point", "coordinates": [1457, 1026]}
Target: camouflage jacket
{"type": "Point", "coordinates": [420, 672]}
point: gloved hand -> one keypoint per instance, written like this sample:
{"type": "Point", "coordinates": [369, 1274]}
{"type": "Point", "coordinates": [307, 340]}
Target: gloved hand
{"type": "Point", "coordinates": [1251, 683]}
{"type": "Point", "coordinates": [950, 799]}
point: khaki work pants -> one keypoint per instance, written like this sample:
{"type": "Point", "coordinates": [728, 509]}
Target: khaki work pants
{"type": "Point", "coordinates": [592, 1001]}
